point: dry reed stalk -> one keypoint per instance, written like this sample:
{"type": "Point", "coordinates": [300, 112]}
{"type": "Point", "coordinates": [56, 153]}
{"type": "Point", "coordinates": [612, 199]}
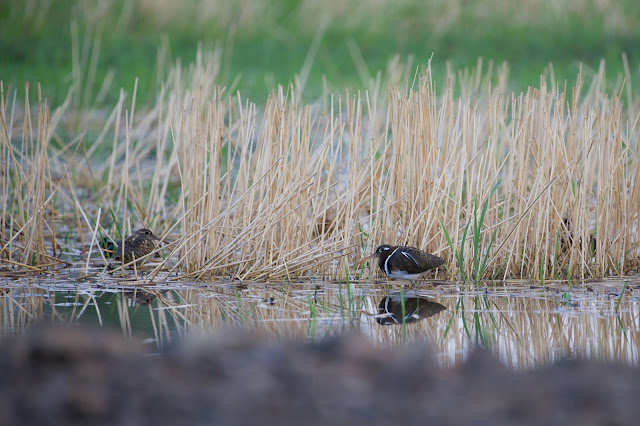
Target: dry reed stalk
{"type": "Point", "coordinates": [254, 214]}
{"type": "Point", "coordinates": [28, 189]}
{"type": "Point", "coordinates": [292, 190]}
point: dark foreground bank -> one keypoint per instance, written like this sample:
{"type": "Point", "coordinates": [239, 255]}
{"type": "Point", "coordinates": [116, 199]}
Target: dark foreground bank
{"type": "Point", "coordinates": [77, 376]}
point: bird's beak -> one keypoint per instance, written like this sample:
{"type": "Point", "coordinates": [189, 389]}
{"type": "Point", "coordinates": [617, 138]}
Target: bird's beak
{"type": "Point", "coordinates": [361, 261]}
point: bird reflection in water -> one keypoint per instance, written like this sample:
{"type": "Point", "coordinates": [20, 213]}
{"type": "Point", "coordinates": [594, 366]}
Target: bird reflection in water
{"type": "Point", "coordinates": [140, 297]}
{"type": "Point", "coordinates": [416, 308]}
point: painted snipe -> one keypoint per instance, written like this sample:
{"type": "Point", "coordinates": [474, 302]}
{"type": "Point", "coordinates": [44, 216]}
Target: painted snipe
{"type": "Point", "coordinates": [405, 263]}
{"type": "Point", "coordinates": [137, 245]}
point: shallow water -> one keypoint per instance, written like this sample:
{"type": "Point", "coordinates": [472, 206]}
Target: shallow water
{"type": "Point", "coordinates": [525, 324]}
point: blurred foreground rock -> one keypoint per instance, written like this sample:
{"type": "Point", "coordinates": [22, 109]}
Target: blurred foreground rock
{"type": "Point", "coordinates": [74, 376]}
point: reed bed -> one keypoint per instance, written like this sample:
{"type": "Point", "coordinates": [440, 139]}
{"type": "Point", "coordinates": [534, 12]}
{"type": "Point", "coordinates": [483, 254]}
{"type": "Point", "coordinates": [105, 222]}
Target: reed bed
{"type": "Point", "coordinates": [549, 178]}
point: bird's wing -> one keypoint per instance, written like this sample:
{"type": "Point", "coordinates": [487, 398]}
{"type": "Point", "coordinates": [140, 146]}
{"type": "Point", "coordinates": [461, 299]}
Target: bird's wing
{"type": "Point", "coordinates": [400, 260]}
{"type": "Point", "coordinates": [426, 260]}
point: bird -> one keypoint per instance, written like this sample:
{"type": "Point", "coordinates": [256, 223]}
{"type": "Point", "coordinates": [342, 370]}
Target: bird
{"type": "Point", "coordinates": [141, 297]}
{"type": "Point", "coordinates": [567, 238]}
{"type": "Point", "coordinates": [108, 247]}
{"type": "Point", "coordinates": [391, 309]}
{"type": "Point", "coordinates": [136, 246]}
{"type": "Point", "coordinates": [402, 262]}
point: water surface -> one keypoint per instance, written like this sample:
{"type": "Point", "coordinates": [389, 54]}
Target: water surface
{"type": "Point", "coordinates": [525, 324]}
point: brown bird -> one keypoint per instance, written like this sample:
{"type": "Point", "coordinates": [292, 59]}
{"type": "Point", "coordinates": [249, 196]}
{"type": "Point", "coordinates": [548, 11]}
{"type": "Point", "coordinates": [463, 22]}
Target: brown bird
{"type": "Point", "coordinates": [137, 245]}
{"type": "Point", "coordinates": [405, 263]}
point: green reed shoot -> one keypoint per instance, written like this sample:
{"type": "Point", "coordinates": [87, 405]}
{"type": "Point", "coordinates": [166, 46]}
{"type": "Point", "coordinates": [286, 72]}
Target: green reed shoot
{"type": "Point", "coordinates": [459, 254]}
{"type": "Point", "coordinates": [556, 253]}
{"type": "Point", "coordinates": [557, 314]}
{"type": "Point", "coordinates": [351, 301]}
{"type": "Point", "coordinates": [403, 307]}
{"type": "Point", "coordinates": [485, 299]}
{"type": "Point", "coordinates": [480, 255]}
{"type": "Point", "coordinates": [459, 310]}
{"type": "Point", "coordinates": [623, 329]}
{"type": "Point", "coordinates": [312, 325]}
{"type": "Point", "coordinates": [480, 261]}
{"type": "Point", "coordinates": [622, 294]}
{"type": "Point", "coordinates": [479, 334]}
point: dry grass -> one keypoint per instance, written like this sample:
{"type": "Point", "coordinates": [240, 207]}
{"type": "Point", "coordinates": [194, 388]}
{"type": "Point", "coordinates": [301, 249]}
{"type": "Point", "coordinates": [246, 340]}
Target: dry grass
{"type": "Point", "coordinates": [28, 231]}
{"type": "Point", "coordinates": [287, 190]}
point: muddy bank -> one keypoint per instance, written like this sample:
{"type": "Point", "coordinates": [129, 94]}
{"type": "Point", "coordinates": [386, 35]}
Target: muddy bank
{"type": "Point", "coordinates": [78, 376]}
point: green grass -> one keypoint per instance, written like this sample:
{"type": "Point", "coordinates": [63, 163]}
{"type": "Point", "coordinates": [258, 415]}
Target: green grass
{"type": "Point", "coordinates": [350, 305]}
{"type": "Point", "coordinates": [480, 254]}
{"type": "Point", "coordinates": [268, 53]}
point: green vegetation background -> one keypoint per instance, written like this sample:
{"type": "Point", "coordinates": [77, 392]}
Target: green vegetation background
{"type": "Point", "coordinates": [266, 42]}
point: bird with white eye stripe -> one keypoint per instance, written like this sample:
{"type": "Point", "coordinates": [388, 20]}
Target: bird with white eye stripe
{"type": "Point", "coordinates": [405, 263]}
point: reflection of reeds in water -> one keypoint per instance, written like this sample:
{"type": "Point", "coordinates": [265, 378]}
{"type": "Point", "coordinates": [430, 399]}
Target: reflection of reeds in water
{"type": "Point", "coordinates": [290, 190]}
{"type": "Point", "coordinates": [525, 328]}
{"type": "Point", "coordinates": [18, 311]}
{"type": "Point", "coordinates": [530, 331]}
